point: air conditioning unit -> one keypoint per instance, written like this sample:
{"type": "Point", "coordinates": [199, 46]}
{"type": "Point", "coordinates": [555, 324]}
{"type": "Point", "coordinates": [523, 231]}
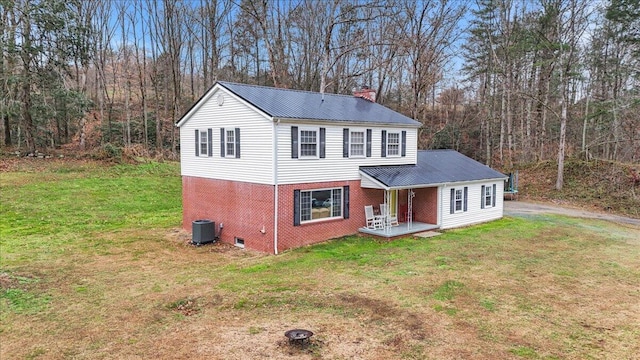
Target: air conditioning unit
{"type": "Point", "coordinates": [203, 232]}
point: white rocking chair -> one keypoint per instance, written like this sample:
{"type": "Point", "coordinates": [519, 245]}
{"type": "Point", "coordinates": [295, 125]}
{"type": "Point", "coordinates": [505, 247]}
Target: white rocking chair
{"type": "Point", "coordinates": [374, 222]}
{"type": "Point", "coordinates": [390, 219]}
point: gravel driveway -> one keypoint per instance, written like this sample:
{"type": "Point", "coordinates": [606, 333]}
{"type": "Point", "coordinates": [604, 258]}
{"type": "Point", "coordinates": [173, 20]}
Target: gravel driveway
{"type": "Point", "coordinates": [522, 208]}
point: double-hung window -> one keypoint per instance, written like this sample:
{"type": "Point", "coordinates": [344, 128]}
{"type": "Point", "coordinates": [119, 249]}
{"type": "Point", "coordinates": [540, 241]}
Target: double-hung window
{"type": "Point", "coordinates": [203, 142]}
{"type": "Point", "coordinates": [488, 196]}
{"type": "Point", "coordinates": [356, 145]}
{"type": "Point", "coordinates": [458, 200]}
{"type": "Point", "coordinates": [230, 142]}
{"type": "Point", "coordinates": [308, 143]}
{"type": "Point", "coordinates": [393, 144]}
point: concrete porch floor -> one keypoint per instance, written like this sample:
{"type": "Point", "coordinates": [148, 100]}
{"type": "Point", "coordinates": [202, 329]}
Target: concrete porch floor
{"type": "Point", "coordinates": [402, 229]}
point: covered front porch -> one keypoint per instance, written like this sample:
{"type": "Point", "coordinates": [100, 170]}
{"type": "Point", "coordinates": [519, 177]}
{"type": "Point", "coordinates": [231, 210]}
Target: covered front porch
{"type": "Point", "coordinates": [399, 230]}
{"type": "Point", "coordinates": [402, 202]}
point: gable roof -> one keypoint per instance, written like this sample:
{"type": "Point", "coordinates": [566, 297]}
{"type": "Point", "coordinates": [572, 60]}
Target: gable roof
{"type": "Point", "coordinates": [306, 105]}
{"type": "Point", "coordinates": [433, 167]}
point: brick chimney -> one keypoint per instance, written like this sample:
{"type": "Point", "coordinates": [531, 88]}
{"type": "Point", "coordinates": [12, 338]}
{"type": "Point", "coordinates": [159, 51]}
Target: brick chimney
{"type": "Point", "coordinates": [365, 93]}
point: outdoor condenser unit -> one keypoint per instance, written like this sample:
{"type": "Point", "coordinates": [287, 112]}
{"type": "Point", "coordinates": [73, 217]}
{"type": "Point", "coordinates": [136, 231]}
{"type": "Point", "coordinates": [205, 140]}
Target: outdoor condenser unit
{"type": "Point", "coordinates": [203, 232]}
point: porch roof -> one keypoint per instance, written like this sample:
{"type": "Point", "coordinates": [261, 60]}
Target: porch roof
{"type": "Point", "coordinates": [433, 167]}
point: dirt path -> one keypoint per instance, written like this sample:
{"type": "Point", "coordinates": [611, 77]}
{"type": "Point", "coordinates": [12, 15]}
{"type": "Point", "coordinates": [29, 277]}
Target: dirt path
{"type": "Point", "coordinates": [522, 208]}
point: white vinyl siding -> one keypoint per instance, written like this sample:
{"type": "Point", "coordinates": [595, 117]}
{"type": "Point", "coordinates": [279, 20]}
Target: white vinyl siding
{"type": "Point", "coordinates": [474, 214]}
{"type": "Point", "coordinates": [256, 163]}
{"type": "Point", "coordinates": [335, 166]}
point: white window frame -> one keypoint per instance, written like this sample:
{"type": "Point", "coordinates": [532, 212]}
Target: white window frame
{"type": "Point", "coordinates": [230, 142]}
{"type": "Point", "coordinates": [203, 143]}
{"type": "Point", "coordinates": [239, 242]}
{"type": "Point", "coordinates": [459, 200]}
{"type": "Point", "coordinates": [487, 197]}
{"type": "Point", "coordinates": [300, 143]}
{"type": "Point", "coordinates": [395, 146]}
{"type": "Point", "coordinates": [335, 213]}
{"type": "Point", "coordinates": [352, 143]}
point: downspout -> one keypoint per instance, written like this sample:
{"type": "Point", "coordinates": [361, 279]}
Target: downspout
{"type": "Point", "coordinates": [275, 186]}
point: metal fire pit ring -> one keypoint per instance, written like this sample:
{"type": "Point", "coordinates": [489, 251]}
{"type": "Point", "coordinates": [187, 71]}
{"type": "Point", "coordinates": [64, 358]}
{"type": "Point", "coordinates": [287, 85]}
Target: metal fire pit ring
{"type": "Point", "coordinates": [298, 336]}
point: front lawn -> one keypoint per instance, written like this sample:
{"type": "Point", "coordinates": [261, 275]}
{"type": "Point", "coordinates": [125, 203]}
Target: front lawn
{"type": "Point", "coordinates": [94, 265]}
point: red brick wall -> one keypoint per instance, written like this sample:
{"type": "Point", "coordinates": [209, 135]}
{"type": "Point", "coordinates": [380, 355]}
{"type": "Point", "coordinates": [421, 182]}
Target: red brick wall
{"type": "Point", "coordinates": [290, 236]}
{"type": "Point", "coordinates": [425, 205]}
{"type": "Point", "coordinates": [243, 208]}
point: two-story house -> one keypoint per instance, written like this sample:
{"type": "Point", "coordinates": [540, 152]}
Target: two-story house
{"type": "Point", "coordinates": [284, 168]}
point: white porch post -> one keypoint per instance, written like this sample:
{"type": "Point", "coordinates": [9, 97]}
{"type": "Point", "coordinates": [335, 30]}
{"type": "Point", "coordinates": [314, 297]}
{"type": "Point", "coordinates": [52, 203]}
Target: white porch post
{"type": "Point", "coordinates": [410, 195]}
{"type": "Point", "coordinates": [387, 198]}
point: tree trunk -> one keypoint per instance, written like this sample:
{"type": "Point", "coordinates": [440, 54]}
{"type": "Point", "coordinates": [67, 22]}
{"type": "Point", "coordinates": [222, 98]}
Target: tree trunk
{"type": "Point", "coordinates": [561, 143]}
{"type": "Point", "coordinates": [7, 130]}
{"type": "Point", "coordinates": [26, 86]}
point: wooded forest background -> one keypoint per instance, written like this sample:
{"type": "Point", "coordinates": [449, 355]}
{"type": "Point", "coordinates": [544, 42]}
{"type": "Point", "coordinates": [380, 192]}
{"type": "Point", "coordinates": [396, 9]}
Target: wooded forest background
{"type": "Point", "coordinates": [503, 81]}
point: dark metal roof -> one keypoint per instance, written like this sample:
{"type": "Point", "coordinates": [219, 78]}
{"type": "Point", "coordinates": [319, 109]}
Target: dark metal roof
{"type": "Point", "coordinates": [433, 167]}
{"type": "Point", "coordinates": [306, 105]}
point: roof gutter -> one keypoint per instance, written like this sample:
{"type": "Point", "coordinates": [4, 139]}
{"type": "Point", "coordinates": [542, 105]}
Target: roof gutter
{"type": "Point", "coordinates": [418, 186]}
{"type": "Point", "coordinates": [349, 122]}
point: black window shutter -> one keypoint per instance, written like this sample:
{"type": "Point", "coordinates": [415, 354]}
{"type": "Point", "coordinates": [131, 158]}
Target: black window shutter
{"type": "Point", "coordinates": [368, 142]}
{"type": "Point", "coordinates": [345, 206]}
{"type": "Point", "coordinates": [296, 207]}
{"type": "Point", "coordinates": [384, 143]}
{"type": "Point", "coordinates": [294, 142]}
{"type": "Point", "coordinates": [237, 142]}
{"type": "Point", "coordinates": [465, 197]}
{"type": "Point", "coordinates": [482, 197]}
{"type": "Point", "coordinates": [323, 140]}
{"type": "Point", "coordinates": [345, 142]}
{"type": "Point", "coordinates": [197, 142]}
{"type": "Point", "coordinates": [452, 205]}
{"type": "Point", "coordinates": [404, 143]}
{"type": "Point", "coordinates": [210, 142]}
{"type": "Point", "coordinates": [222, 149]}
{"type": "Point", "coordinates": [493, 194]}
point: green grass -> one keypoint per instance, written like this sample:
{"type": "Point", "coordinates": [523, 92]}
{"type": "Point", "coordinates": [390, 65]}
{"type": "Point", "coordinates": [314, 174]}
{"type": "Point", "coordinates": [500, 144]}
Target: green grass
{"type": "Point", "coordinates": [93, 265]}
{"type": "Point", "coordinates": [23, 302]}
{"type": "Point", "coordinates": [51, 213]}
